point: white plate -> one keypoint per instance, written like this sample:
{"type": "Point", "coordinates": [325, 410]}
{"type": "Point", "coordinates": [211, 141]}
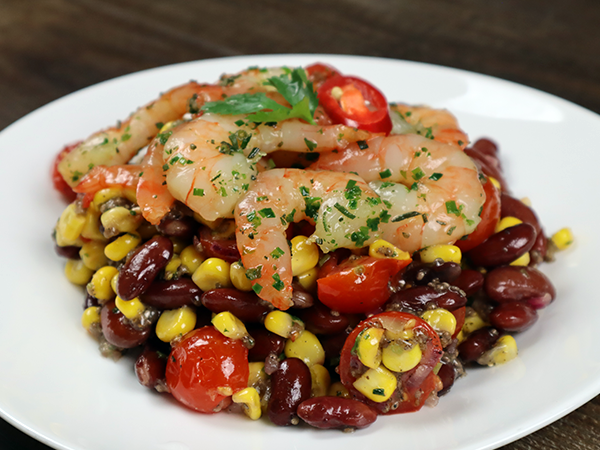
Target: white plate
{"type": "Point", "coordinates": [55, 386]}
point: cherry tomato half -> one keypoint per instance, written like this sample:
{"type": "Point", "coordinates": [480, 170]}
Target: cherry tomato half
{"type": "Point", "coordinates": [359, 285]}
{"type": "Point", "coordinates": [204, 366]}
{"type": "Point", "coordinates": [490, 215]}
{"type": "Point", "coordinates": [415, 385]}
{"type": "Point", "coordinates": [57, 179]}
{"type": "Point", "coordinates": [355, 103]}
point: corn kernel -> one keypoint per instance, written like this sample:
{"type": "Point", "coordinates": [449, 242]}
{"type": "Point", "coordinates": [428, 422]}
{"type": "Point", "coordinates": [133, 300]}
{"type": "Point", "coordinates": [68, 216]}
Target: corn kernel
{"type": "Point", "coordinates": [305, 347]}
{"type": "Point", "coordinates": [522, 260]}
{"type": "Point", "coordinates": [212, 273]}
{"type": "Point", "coordinates": [399, 359]}
{"type": "Point", "coordinates": [447, 253]}
{"type": "Point", "coordinates": [308, 279]}
{"type": "Point", "coordinates": [120, 247]}
{"type": "Point", "coordinates": [504, 350]}
{"type": "Point", "coordinates": [104, 195]}
{"type": "Point", "coordinates": [130, 308]}
{"type": "Point", "coordinates": [191, 258]}
{"type": "Point", "coordinates": [404, 332]}
{"type": "Point", "coordinates": [526, 201]}
{"type": "Point", "coordinates": [305, 255]}
{"type": "Point", "coordinates": [121, 219]}
{"type": "Point", "coordinates": [69, 226]}
{"type": "Point", "coordinates": [100, 284]}
{"type": "Point", "coordinates": [377, 384]}
{"type": "Point", "coordinates": [496, 183]}
{"type": "Point", "coordinates": [90, 316]}
{"type": "Point", "coordinates": [91, 229]}
{"type": "Point", "coordinates": [440, 320]}
{"type": "Point", "coordinates": [92, 255]}
{"type": "Point", "coordinates": [473, 322]}
{"type": "Point", "coordinates": [130, 194]}
{"type": "Point", "coordinates": [229, 325]}
{"type": "Point", "coordinates": [367, 346]}
{"type": "Point", "coordinates": [320, 380]}
{"type": "Point", "coordinates": [337, 389]}
{"type": "Point", "coordinates": [113, 283]}
{"type": "Point", "coordinates": [77, 273]}
{"type": "Point", "coordinates": [178, 244]}
{"type": "Point", "coordinates": [383, 249]}
{"type": "Point", "coordinates": [240, 281]}
{"type": "Point", "coordinates": [563, 238]}
{"type": "Point", "coordinates": [282, 324]}
{"type": "Point", "coordinates": [175, 323]}
{"type": "Point", "coordinates": [172, 267]}
{"type": "Point", "coordinates": [507, 222]}
{"type": "Point", "coordinates": [256, 374]}
{"type": "Point", "coordinates": [251, 400]}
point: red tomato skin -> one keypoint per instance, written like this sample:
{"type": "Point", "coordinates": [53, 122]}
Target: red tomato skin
{"type": "Point", "coordinates": [318, 73]}
{"type": "Point", "coordinates": [57, 179]}
{"type": "Point", "coordinates": [408, 400]}
{"type": "Point", "coordinates": [346, 291]}
{"type": "Point", "coordinates": [376, 121]}
{"type": "Point", "coordinates": [202, 362]}
{"type": "Point", "coordinates": [490, 215]}
{"type": "Point", "coordinates": [459, 315]}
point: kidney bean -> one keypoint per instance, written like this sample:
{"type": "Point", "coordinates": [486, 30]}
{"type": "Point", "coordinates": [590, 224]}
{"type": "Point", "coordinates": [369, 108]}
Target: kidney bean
{"type": "Point", "coordinates": [90, 300]}
{"type": "Point", "coordinates": [301, 298]}
{"type": "Point", "coordinates": [469, 281]}
{"type": "Point", "coordinates": [486, 147]}
{"type": "Point", "coordinates": [183, 227]}
{"type": "Point", "coordinates": [70, 251]}
{"type": "Point", "coordinates": [246, 306]}
{"type": "Point", "coordinates": [421, 298]}
{"type": "Point", "coordinates": [477, 343]}
{"type": "Point", "coordinates": [510, 206]}
{"type": "Point", "coordinates": [447, 375]}
{"type": "Point", "coordinates": [116, 329]}
{"type": "Point", "coordinates": [336, 412]}
{"type": "Point", "coordinates": [215, 246]}
{"type": "Point", "coordinates": [172, 294]}
{"type": "Point", "coordinates": [333, 344]}
{"type": "Point", "coordinates": [138, 273]}
{"type": "Point", "coordinates": [504, 246]}
{"type": "Point", "coordinates": [265, 343]}
{"type": "Point", "coordinates": [418, 273]}
{"type": "Point", "coordinates": [319, 320]}
{"type": "Point", "coordinates": [150, 367]}
{"type": "Point", "coordinates": [489, 165]}
{"type": "Point", "coordinates": [290, 386]}
{"type": "Point", "coordinates": [513, 316]}
{"type": "Point", "coordinates": [512, 283]}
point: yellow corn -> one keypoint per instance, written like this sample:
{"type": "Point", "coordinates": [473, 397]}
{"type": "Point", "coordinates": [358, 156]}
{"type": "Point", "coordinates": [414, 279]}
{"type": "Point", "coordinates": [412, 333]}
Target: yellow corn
{"type": "Point", "coordinates": [90, 316]}
{"type": "Point", "coordinates": [308, 279]}
{"type": "Point", "coordinates": [104, 195]}
{"type": "Point", "coordinates": [522, 260]}
{"type": "Point", "coordinates": [383, 249]}
{"type": "Point", "coordinates": [504, 350]}
{"type": "Point", "coordinates": [120, 247]}
{"type": "Point", "coordinates": [178, 244]}
{"type": "Point", "coordinates": [440, 320]}
{"type": "Point", "coordinates": [92, 255]}
{"type": "Point", "coordinates": [495, 182]}
{"type": "Point", "coordinates": [130, 308]}
{"type": "Point", "coordinates": [191, 258]}
{"type": "Point", "coordinates": [282, 323]}
{"type": "Point", "coordinates": [507, 222]}
{"type": "Point", "coordinates": [473, 322]}
{"type": "Point", "coordinates": [91, 229]}
{"type": "Point", "coordinates": [100, 285]}
{"type": "Point", "coordinates": [305, 255]}
{"type": "Point", "coordinates": [563, 238]}
{"type": "Point", "coordinates": [367, 346]}
{"type": "Point", "coordinates": [77, 273]}
{"type": "Point", "coordinates": [69, 226]}
{"type": "Point", "coordinates": [447, 253]}
{"type": "Point", "coordinates": [305, 347]}
{"type": "Point", "coordinates": [337, 389]}
{"type": "Point", "coordinates": [212, 273]}
{"type": "Point", "coordinates": [405, 333]}
{"type": "Point", "coordinates": [240, 281]}
{"type": "Point", "coordinates": [113, 283]}
{"type": "Point", "coordinates": [399, 359]}
{"type": "Point", "coordinates": [229, 325]}
{"type": "Point", "coordinates": [256, 374]}
{"type": "Point", "coordinates": [320, 380]}
{"type": "Point", "coordinates": [175, 323]}
{"type": "Point", "coordinates": [172, 267]}
{"type": "Point", "coordinates": [377, 384]}
{"type": "Point", "coordinates": [251, 400]}
{"type": "Point", "coordinates": [121, 219]}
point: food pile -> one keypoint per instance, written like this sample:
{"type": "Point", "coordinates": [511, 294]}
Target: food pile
{"type": "Point", "coordinates": [286, 243]}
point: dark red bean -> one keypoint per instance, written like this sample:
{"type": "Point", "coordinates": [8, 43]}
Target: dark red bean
{"type": "Point", "coordinates": [513, 283]}
{"type": "Point", "coordinates": [447, 375]}
{"type": "Point", "coordinates": [290, 386]}
{"type": "Point", "coordinates": [319, 320]}
{"type": "Point", "coordinates": [90, 300]}
{"type": "Point", "coordinates": [470, 281]}
{"type": "Point", "coordinates": [246, 306]}
{"type": "Point", "coordinates": [513, 316]}
{"type": "Point", "coordinates": [486, 147]}
{"type": "Point", "coordinates": [301, 298]}
{"type": "Point", "coordinates": [183, 227]}
{"type": "Point", "coordinates": [510, 206]}
{"type": "Point", "coordinates": [215, 246]}
{"type": "Point", "coordinates": [70, 251]}
{"type": "Point", "coordinates": [172, 294]}
{"type": "Point", "coordinates": [150, 368]}
{"type": "Point", "coordinates": [418, 273]}
{"type": "Point", "coordinates": [477, 343]}
{"type": "Point", "coordinates": [138, 273]}
{"type": "Point", "coordinates": [333, 345]}
{"type": "Point", "coordinates": [116, 329]}
{"type": "Point", "coordinates": [489, 165]}
{"type": "Point", "coordinates": [504, 247]}
{"type": "Point", "coordinates": [421, 298]}
{"type": "Point", "coordinates": [265, 343]}
{"type": "Point", "coordinates": [336, 412]}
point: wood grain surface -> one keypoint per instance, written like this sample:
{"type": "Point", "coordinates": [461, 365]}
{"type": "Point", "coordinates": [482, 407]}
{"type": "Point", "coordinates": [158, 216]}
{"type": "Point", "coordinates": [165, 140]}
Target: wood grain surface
{"type": "Point", "coordinates": [50, 48]}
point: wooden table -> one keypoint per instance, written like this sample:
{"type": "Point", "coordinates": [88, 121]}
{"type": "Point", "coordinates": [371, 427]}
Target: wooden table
{"type": "Point", "coordinates": [50, 48]}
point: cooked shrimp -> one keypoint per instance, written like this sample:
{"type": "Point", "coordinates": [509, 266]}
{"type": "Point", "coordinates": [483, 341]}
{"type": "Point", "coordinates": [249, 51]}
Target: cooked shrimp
{"type": "Point", "coordinates": [437, 124]}
{"type": "Point", "coordinates": [117, 145]}
{"type": "Point", "coordinates": [432, 189]}
{"type": "Point", "coordinates": [250, 80]}
{"type": "Point", "coordinates": [101, 177]}
{"type": "Point", "coordinates": [345, 210]}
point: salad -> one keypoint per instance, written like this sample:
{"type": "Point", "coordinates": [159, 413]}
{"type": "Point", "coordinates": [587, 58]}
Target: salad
{"type": "Point", "coordinates": [286, 243]}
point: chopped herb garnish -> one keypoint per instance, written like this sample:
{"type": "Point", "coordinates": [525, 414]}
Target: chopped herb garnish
{"type": "Point", "coordinates": [408, 215]}
{"type": "Point", "coordinates": [267, 213]}
{"type": "Point", "coordinates": [310, 144]}
{"type": "Point", "coordinates": [451, 208]}
{"type": "Point", "coordinates": [385, 174]}
{"type": "Point", "coordinates": [378, 391]}
{"type": "Point", "coordinates": [159, 125]}
{"type": "Point", "coordinates": [257, 288]}
{"type": "Point", "coordinates": [373, 223]}
{"type": "Point", "coordinates": [450, 231]}
{"type": "Point", "coordinates": [344, 211]}
{"type": "Point", "coordinates": [385, 216]}
{"type": "Point", "coordinates": [417, 174]}
{"type": "Point", "coordinates": [164, 137]}
{"type": "Point", "coordinates": [254, 274]}
{"type": "Point", "coordinates": [278, 284]}
{"type": "Point", "coordinates": [362, 145]}
{"type": "Point", "coordinates": [436, 176]}
{"type": "Point", "coordinates": [277, 253]}
{"type": "Point", "coordinates": [359, 237]}
{"type": "Point", "coordinates": [198, 192]}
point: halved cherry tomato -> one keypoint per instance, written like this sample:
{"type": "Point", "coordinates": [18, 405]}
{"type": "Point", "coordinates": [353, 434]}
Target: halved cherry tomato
{"type": "Point", "coordinates": [490, 215]}
{"type": "Point", "coordinates": [355, 103]}
{"type": "Point", "coordinates": [415, 385]}
{"type": "Point", "coordinates": [59, 183]}
{"type": "Point", "coordinates": [205, 368]}
{"type": "Point", "coordinates": [358, 285]}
